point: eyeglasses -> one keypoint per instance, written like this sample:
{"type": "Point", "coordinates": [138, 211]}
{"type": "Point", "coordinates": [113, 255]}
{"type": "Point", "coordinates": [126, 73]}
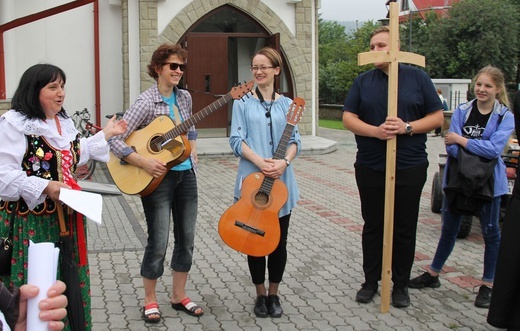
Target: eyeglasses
{"type": "Point", "coordinates": [262, 68]}
{"type": "Point", "coordinates": [175, 66]}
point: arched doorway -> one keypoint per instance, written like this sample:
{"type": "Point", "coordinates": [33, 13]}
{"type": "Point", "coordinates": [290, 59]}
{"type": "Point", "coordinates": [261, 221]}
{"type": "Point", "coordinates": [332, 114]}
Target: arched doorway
{"type": "Point", "coordinates": [220, 47]}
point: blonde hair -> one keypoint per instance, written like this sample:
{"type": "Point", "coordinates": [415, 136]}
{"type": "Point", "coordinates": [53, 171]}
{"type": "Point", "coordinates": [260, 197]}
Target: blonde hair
{"type": "Point", "coordinates": [498, 77]}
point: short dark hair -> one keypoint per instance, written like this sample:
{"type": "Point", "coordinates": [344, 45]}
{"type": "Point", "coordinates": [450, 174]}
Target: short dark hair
{"type": "Point", "coordinates": [26, 98]}
{"type": "Point", "coordinates": [379, 30]}
{"type": "Point", "coordinates": [161, 54]}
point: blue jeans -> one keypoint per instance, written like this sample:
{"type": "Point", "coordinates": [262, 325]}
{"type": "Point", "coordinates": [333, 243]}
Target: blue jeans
{"type": "Point", "coordinates": [177, 196]}
{"type": "Point", "coordinates": [489, 215]}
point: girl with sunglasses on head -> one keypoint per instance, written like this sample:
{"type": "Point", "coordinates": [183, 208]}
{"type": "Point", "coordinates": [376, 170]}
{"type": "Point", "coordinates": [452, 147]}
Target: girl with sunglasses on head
{"type": "Point", "coordinates": [257, 125]}
{"type": "Point", "coordinates": [177, 194]}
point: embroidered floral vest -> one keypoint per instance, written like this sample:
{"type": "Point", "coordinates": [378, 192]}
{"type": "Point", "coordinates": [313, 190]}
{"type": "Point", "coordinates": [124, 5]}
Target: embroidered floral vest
{"type": "Point", "coordinates": [44, 161]}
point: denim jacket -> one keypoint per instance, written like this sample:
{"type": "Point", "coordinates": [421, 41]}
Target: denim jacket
{"type": "Point", "coordinates": [494, 139]}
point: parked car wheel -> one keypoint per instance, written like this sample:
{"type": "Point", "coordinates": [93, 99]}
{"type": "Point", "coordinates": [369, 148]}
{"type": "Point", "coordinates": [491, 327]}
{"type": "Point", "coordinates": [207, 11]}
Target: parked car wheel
{"type": "Point", "coordinates": [465, 226]}
{"type": "Point", "coordinates": [437, 194]}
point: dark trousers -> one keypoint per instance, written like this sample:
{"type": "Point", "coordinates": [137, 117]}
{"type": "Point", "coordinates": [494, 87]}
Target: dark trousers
{"type": "Point", "coordinates": [408, 187]}
{"type": "Point", "coordinates": [276, 261]}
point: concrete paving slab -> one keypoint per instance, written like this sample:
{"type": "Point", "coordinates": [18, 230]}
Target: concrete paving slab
{"type": "Point", "coordinates": [324, 260]}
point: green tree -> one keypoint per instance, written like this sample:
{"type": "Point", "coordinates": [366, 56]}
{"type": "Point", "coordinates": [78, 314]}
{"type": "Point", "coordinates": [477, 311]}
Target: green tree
{"type": "Point", "coordinates": [338, 52]}
{"type": "Point", "coordinates": [474, 34]}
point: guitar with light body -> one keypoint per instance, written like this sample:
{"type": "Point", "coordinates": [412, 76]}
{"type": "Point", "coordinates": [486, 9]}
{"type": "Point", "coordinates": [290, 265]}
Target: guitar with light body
{"type": "Point", "coordinates": [251, 225]}
{"type": "Point", "coordinates": [163, 140]}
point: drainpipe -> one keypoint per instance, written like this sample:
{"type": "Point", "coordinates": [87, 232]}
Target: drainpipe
{"type": "Point", "coordinates": [35, 17]}
{"type": "Point", "coordinates": [97, 70]}
{"type": "Point", "coordinates": [2, 68]}
{"type": "Point", "coordinates": [314, 56]}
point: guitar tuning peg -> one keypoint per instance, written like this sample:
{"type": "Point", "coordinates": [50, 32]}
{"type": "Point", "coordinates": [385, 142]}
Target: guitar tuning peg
{"type": "Point", "coordinates": [246, 95]}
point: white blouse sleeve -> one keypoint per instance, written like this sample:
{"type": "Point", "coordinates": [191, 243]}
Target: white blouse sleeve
{"type": "Point", "coordinates": [95, 147]}
{"type": "Point", "coordinates": [14, 182]}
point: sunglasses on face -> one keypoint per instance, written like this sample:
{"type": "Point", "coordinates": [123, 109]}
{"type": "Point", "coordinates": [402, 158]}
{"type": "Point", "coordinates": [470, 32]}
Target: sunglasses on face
{"type": "Point", "coordinates": [175, 66]}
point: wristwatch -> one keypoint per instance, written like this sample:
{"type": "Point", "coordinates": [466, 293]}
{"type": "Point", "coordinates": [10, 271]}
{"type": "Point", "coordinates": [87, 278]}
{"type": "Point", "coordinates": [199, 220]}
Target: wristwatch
{"type": "Point", "coordinates": [408, 128]}
{"type": "Point", "coordinates": [287, 161]}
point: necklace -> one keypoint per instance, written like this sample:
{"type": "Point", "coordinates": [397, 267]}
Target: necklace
{"type": "Point", "coordinates": [58, 125]}
{"type": "Point", "coordinates": [262, 101]}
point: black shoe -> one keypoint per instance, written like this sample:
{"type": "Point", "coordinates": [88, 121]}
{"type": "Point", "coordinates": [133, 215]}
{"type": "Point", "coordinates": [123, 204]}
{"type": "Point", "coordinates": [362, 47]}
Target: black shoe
{"type": "Point", "coordinates": [275, 308]}
{"type": "Point", "coordinates": [424, 280]}
{"type": "Point", "coordinates": [400, 297]}
{"type": "Point", "coordinates": [261, 306]}
{"type": "Point", "coordinates": [483, 297]}
{"type": "Point", "coordinates": [367, 292]}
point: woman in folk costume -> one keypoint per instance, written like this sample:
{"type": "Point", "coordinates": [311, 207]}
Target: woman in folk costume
{"type": "Point", "coordinates": [38, 156]}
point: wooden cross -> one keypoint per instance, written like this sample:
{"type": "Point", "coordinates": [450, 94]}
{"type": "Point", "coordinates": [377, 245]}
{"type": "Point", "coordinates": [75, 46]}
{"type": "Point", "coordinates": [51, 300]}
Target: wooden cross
{"type": "Point", "coordinates": [393, 57]}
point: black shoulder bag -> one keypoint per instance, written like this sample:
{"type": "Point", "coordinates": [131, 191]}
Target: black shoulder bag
{"type": "Point", "coordinates": [6, 247]}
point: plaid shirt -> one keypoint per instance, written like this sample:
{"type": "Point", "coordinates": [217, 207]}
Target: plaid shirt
{"type": "Point", "coordinates": [148, 106]}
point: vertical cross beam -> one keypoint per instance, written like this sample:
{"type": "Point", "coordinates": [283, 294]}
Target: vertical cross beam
{"type": "Point", "coordinates": [393, 56]}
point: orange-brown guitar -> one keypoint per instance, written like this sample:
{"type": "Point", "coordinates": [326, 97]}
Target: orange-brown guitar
{"type": "Point", "coordinates": [251, 225]}
{"type": "Point", "coordinates": [164, 141]}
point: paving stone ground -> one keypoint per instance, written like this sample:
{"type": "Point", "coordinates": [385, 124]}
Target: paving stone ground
{"type": "Point", "coordinates": [324, 264]}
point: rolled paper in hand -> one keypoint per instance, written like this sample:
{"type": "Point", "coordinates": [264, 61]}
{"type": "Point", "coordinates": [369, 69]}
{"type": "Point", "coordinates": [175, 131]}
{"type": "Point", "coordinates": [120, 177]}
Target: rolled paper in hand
{"type": "Point", "coordinates": [42, 262]}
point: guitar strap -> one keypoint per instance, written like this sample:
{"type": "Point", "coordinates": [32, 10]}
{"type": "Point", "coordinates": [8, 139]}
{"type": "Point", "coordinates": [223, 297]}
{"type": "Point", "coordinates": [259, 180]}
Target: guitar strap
{"type": "Point", "coordinates": [177, 115]}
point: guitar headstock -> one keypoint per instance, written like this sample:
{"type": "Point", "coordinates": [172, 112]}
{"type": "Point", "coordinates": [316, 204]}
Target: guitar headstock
{"type": "Point", "coordinates": [296, 111]}
{"type": "Point", "coordinates": [240, 90]}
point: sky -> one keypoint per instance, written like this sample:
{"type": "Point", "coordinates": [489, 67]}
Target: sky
{"type": "Point", "coordinates": [352, 10]}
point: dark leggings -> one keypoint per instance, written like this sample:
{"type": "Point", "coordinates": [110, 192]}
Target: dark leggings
{"type": "Point", "coordinates": [276, 261]}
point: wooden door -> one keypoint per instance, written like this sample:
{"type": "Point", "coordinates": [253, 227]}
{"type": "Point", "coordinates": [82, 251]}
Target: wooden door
{"type": "Point", "coordinates": [273, 41]}
{"type": "Point", "coordinates": [207, 75]}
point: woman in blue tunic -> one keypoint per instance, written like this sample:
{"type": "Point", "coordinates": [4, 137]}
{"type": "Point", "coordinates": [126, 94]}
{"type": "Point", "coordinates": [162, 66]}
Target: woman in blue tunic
{"type": "Point", "coordinates": [256, 128]}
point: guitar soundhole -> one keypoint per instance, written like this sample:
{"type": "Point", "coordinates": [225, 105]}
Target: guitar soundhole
{"type": "Point", "coordinates": [261, 198]}
{"type": "Point", "coordinates": [156, 144]}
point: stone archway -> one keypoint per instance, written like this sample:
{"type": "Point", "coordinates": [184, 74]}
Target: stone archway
{"type": "Point", "coordinates": [297, 47]}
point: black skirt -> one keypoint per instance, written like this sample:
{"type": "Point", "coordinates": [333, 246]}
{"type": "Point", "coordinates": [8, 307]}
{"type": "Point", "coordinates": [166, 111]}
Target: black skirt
{"type": "Point", "coordinates": [504, 311]}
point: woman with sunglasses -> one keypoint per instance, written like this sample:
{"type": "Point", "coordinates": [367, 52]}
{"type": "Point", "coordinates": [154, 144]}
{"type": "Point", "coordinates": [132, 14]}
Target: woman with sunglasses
{"type": "Point", "coordinates": [257, 126]}
{"type": "Point", "coordinates": [176, 194]}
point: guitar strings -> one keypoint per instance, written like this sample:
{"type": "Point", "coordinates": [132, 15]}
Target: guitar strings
{"type": "Point", "coordinates": [254, 218]}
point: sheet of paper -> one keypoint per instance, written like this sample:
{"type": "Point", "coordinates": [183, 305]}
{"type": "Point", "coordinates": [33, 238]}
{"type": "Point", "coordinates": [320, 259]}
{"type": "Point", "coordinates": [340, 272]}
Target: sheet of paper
{"type": "Point", "coordinates": [42, 266]}
{"type": "Point", "coordinates": [89, 204]}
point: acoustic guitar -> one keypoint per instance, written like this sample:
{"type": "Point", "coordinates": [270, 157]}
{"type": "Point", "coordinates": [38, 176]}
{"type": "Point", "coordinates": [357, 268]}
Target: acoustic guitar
{"type": "Point", "coordinates": [251, 225]}
{"type": "Point", "coordinates": [163, 140]}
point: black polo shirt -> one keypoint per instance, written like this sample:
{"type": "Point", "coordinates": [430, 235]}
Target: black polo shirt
{"type": "Point", "coordinates": [368, 99]}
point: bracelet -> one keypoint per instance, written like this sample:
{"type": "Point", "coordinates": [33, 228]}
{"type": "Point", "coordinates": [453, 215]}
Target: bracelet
{"type": "Point", "coordinates": [287, 161]}
{"type": "Point", "coordinates": [139, 160]}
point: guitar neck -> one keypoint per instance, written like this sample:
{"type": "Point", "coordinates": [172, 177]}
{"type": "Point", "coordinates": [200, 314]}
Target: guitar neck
{"type": "Point", "coordinates": [284, 142]}
{"type": "Point", "coordinates": [199, 116]}
{"type": "Point", "coordinates": [267, 183]}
